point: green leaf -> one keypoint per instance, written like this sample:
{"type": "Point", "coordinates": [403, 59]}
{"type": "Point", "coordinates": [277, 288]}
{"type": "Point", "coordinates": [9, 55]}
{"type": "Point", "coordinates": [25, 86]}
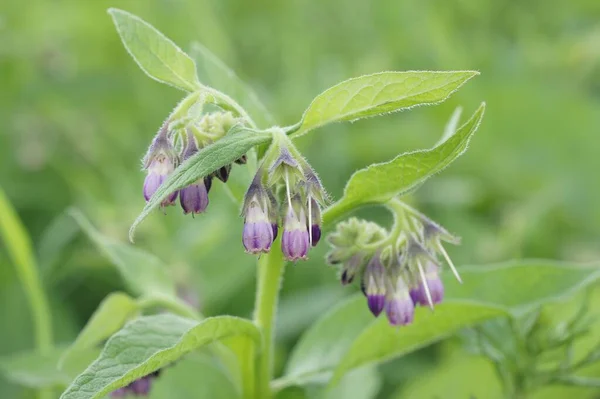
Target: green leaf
{"type": "Point", "coordinates": [18, 245]}
{"type": "Point", "coordinates": [348, 337]}
{"type": "Point", "coordinates": [363, 383]}
{"type": "Point", "coordinates": [213, 72]}
{"type": "Point", "coordinates": [223, 152]}
{"type": "Point", "coordinates": [349, 334]}
{"type": "Point", "coordinates": [155, 54]}
{"type": "Point", "coordinates": [459, 375]}
{"type": "Point", "coordinates": [379, 183]}
{"type": "Point", "coordinates": [110, 316]}
{"type": "Point", "coordinates": [143, 272]}
{"type": "Point", "coordinates": [379, 342]}
{"type": "Point", "coordinates": [519, 286]}
{"type": "Point", "coordinates": [148, 344]}
{"type": "Point", "coordinates": [33, 369]}
{"type": "Point", "coordinates": [380, 93]}
{"type": "Point", "coordinates": [195, 377]}
{"type": "Point", "coordinates": [325, 343]}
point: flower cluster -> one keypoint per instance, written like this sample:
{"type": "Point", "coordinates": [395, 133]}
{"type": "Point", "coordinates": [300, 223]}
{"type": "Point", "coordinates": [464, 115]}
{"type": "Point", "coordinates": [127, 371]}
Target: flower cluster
{"type": "Point", "coordinates": [170, 147]}
{"type": "Point", "coordinates": [139, 387]}
{"type": "Point", "coordinates": [289, 194]}
{"type": "Point", "coordinates": [398, 270]}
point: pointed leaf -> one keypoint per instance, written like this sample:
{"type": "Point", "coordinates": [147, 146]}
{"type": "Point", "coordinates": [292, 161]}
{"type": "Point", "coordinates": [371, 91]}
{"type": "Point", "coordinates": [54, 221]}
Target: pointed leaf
{"type": "Point", "coordinates": [148, 344]}
{"type": "Point", "coordinates": [156, 55]}
{"type": "Point", "coordinates": [379, 342]}
{"type": "Point", "coordinates": [380, 93]}
{"type": "Point", "coordinates": [519, 286]}
{"type": "Point", "coordinates": [223, 152]}
{"type": "Point", "coordinates": [349, 337]}
{"type": "Point", "coordinates": [143, 272]}
{"type": "Point", "coordinates": [379, 183]}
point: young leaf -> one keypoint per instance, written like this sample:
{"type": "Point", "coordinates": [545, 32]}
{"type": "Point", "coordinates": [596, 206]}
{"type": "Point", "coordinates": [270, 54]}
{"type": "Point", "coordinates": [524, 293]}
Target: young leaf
{"type": "Point", "coordinates": [143, 272]}
{"type": "Point", "coordinates": [148, 344]}
{"type": "Point", "coordinates": [523, 285]}
{"type": "Point", "coordinates": [110, 316]}
{"type": "Point", "coordinates": [380, 93]}
{"type": "Point", "coordinates": [223, 152]}
{"type": "Point", "coordinates": [213, 72]}
{"type": "Point", "coordinates": [380, 182]}
{"type": "Point", "coordinates": [155, 54]}
{"type": "Point", "coordinates": [378, 342]}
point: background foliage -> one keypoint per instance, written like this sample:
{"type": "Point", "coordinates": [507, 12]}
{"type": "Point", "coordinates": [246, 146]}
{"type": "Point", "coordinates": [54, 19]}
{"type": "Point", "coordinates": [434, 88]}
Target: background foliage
{"type": "Point", "coordinates": [77, 115]}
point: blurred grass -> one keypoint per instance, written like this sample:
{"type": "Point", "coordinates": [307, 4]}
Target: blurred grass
{"type": "Point", "coordinates": [77, 115]}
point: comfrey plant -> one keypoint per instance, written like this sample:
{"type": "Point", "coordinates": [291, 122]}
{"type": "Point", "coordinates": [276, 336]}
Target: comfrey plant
{"type": "Point", "coordinates": [285, 212]}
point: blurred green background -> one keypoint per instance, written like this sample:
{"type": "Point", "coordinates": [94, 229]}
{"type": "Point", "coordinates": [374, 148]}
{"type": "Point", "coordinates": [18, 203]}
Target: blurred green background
{"type": "Point", "coordinates": [77, 115]}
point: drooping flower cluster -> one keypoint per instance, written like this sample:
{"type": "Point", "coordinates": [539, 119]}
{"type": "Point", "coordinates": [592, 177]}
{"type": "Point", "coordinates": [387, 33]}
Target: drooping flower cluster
{"type": "Point", "coordinates": [398, 270]}
{"type": "Point", "coordinates": [163, 157]}
{"type": "Point", "coordinates": [139, 387]}
{"type": "Point", "coordinates": [298, 211]}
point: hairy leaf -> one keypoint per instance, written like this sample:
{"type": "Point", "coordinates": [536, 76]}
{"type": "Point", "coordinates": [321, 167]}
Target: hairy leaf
{"type": "Point", "coordinates": [223, 152]}
{"type": "Point", "coordinates": [380, 93]}
{"type": "Point", "coordinates": [143, 272]}
{"type": "Point", "coordinates": [379, 183]}
{"type": "Point", "coordinates": [379, 342]}
{"type": "Point", "coordinates": [148, 344]}
{"type": "Point", "coordinates": [349, 337]}
{"type": "Point", "coordinates": [213, 72]}
{"type": "Point", "coordinates": [519, 286]}
{"type": "Point", "coordinates": [342, 335]}
{"type": "Point", "coordinates": [110, 316]}
{"type": "Point", "coordinates": [155, 54]}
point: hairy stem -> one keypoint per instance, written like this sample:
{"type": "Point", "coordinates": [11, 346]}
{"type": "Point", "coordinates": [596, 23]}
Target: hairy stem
{"type": "Point", "coordinates": [270, 272]}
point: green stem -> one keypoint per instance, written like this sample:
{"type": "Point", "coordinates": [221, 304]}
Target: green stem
{"type": "Point", "coordinates": [270, 272]}
{"type": "Point", "coordinates": [19, 248]}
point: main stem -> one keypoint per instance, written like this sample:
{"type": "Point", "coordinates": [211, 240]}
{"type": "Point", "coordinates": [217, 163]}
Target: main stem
{"type": "Point", "coordinates": [270, 271]}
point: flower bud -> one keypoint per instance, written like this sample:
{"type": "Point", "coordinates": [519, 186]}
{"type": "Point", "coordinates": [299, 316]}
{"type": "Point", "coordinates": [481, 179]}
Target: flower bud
{"type": "Point", "coordinates": [258, 234]}
{"type": "Point", "coordinates": [141, 387]}
{"type": "Point", "coordinates": [399, 307]}
{"type": "Point", "coordinates": [351, 267]}
{"type": "Point", "coordinates": [193, 198]}
{"type": "Point", "coordinates": [373, 285]}
{"type": "Point", "coordinates": [315, 222]}
{"type": "Point", "coordinates": [295, 239]}
{"type": "Point", "coordinates": [430, 283]}
{"type": "Point", "coordinates": [160, 162]}
{"type": "Point", "coordinates": [273, 213]}
{"type": "Point", "coordinates": [223, 173]}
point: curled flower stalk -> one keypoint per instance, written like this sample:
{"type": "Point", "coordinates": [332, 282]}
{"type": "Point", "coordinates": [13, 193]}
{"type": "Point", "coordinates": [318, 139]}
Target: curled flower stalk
{"type": "Point", "coordinates": [179, 139]}
{"type": "Point", "coordinates": [399, 268]}
{"type": "Point", "coordinates": [288, 195]}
